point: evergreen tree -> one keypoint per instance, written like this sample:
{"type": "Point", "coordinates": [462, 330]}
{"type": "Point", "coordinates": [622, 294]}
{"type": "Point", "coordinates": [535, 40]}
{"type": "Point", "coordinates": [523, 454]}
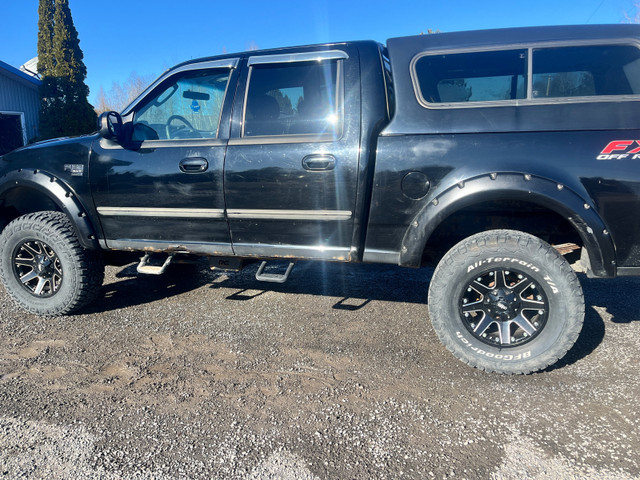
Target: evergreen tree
{"type": "Point", "coordinates": [64, 108]}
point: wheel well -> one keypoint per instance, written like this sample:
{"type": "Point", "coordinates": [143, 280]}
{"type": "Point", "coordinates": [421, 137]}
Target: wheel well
{"type": "Point", "coordinates": [22, 200]}
{"type": "Point", "coordinates": [501, 214]}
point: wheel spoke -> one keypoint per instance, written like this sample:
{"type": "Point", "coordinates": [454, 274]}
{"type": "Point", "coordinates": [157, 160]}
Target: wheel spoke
{"type": "Point", "coordinates": [55, 283]}
{"type": "Point", "coordinates": [31, 250]}
{"type": "Point", "coordinates": [479, 287]}
{"type": "Point", "coordinates": [522, 322]}
{"type": "Point", "coordinates": [527, 304]}
{"type": "Point", "coordinates": [522, 286]}
{"type": "Point", "coordinates": [41, 284]}
{"type": "Point", "coordinates": [499, 279]}
{"type": "Point", "coordinates": [504, 328]}
{"type": "Point", "coordinates": [25, 262]}
{"type": "Point", "coordinates": [483, 325]}
{"type": "Point", "coordinates": [28, 277]}
{"type": "Point", "coordinates": [473, 307]}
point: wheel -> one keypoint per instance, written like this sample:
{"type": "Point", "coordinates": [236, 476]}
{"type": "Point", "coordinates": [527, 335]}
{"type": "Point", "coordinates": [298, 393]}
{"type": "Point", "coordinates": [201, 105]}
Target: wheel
{"type": "Point", "coordinates": [505, 301]}
{"type": "Point", "coordinates": [44, 268]}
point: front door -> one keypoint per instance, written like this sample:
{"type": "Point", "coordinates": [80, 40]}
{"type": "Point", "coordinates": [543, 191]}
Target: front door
{"type": "Point", "coordinates": [162, 188]}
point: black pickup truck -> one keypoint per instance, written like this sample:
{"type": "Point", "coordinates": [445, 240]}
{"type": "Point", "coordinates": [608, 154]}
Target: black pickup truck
{"type": "Point", "coordinates": [508, 158]}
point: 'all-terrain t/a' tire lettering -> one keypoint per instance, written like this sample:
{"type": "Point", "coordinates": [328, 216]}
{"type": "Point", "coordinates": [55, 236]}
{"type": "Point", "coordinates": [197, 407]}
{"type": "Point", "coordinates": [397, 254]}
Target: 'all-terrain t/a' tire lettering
{"type": "Point", "coordinates": [505, 301]}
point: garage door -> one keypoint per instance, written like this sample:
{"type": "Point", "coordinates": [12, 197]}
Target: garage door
{"type": "Point", "coordinates": [11, 132]}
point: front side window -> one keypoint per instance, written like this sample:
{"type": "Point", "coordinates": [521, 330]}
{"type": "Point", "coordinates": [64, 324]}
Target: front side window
{"type": "Point", "coordinates": [299, 98]}
{"type": "Point", "coordinates": [472, 77]}
{"type": "Point", "coordinates": [188, 107]}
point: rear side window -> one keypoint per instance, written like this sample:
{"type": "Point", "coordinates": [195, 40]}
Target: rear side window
{"type": "Point", "coordinates": [585, 71]}
{"type": "Point", "coordinates": [472, 77]}
{"type": "Point", "coordinates": [299, 98]}
{"type": "Point", "coordinates": [527, 74]}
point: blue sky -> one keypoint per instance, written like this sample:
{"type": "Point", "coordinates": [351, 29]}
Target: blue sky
{"type": "Point", "coordinates": [119, 37]}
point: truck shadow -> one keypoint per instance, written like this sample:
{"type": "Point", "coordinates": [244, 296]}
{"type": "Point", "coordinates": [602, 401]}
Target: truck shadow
{"type": "Point", "coordinates": [611, 300]}
{"type": "Point", "coordinates": [355, 286]}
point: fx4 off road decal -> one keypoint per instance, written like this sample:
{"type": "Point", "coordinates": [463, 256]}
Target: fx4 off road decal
{"type": "Point", "coordinates": [621, 150]}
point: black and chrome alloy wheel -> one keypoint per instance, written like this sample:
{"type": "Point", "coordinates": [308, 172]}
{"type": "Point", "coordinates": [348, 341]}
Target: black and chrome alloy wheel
{"type": "Point", "coordinates": [38, 268]}
{"type": "Point", "coordinates": [504, 307]}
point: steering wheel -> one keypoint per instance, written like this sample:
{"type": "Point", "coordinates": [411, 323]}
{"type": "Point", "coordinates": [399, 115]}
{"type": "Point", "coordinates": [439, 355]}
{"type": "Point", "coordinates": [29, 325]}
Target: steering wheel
{"type": "Point", "coordinates": [192, 133]}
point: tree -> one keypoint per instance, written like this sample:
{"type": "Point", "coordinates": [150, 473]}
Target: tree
{"type": "Point", "coordinates": [64, 108]}
{"type": "Point", "coordinates": [122, 94]}
{"type": "Point", "coordinates": [635, 16]}
{"type": "Point", "coordinates": [284, 102]}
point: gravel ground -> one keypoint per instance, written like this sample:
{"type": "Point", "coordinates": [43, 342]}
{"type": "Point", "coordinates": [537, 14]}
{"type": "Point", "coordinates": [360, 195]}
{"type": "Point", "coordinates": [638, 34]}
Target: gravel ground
{"type": "Point", "coordinates": [336, 374]}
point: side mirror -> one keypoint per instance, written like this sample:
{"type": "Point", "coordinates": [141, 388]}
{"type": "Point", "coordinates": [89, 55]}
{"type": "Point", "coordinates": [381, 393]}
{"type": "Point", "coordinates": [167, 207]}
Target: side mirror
{"type": "Point", "coordinates": [110, 125]}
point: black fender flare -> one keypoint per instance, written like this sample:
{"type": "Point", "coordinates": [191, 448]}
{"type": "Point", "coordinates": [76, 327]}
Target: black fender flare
{"type": "Point", "coordinates": [60, 193]}
{"type": "Point", "coordinates": [513, 186]}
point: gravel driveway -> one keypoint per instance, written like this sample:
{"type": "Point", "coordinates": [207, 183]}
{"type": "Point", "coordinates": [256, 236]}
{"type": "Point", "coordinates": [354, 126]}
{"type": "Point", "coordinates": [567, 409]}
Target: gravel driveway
{"type": "Point", "coordinates": [336, 374]}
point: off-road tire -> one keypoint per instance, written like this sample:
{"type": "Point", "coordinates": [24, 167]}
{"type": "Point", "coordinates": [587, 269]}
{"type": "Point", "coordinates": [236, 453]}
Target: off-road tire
{"type": "Point", "coordinates": [489, 291]}
{"type": "Point", "coordinates": [71, 276]}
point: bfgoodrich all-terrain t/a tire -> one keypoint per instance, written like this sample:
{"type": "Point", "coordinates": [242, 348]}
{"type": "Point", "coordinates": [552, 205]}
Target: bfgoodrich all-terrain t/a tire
{"type": "Point", "coordinates": [44, 268]}
{"type": "Point", "coordinates": [505, 301]}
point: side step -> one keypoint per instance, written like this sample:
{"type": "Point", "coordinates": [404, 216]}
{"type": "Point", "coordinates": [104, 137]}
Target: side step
{"type": "Point", "coordinates": [273, 277]}
{"type": "Point", "coordinates": [147, 269]}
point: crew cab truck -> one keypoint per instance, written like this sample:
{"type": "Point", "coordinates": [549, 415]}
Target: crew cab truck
{"type": "Point", "coordinates": [504, 157]}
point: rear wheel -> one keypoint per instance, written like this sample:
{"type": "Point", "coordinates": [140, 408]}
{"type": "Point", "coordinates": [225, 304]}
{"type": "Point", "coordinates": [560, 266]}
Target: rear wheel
{"type": "Point", "coordinates": [505, 301]}
{"type": "Point", "coordinates": [43, 266]}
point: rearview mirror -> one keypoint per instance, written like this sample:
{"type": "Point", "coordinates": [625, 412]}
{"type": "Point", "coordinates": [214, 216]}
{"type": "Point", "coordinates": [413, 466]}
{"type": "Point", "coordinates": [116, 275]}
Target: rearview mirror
{"type": "Point", "coordinates": [110, 125]}
{"type": "Point", "coordinates": [195, 95]}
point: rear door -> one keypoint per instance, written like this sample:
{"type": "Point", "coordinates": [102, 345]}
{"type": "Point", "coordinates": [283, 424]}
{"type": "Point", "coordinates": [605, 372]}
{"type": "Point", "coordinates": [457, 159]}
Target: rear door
{"type": "Point", "coordinates": [292, 161]}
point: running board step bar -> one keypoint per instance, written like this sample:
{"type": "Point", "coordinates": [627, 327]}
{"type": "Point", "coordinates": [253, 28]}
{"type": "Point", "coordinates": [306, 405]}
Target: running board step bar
{"type": "Point", "coordinates": [273, 277]}
{"type": "Point", "coordinates": [147, 269]}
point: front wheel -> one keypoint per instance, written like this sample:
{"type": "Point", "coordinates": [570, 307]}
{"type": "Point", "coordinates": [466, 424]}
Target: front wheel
{"type": "Point", "coordinates": [505, 301]}
{"type": "Point", "coordinates": [44, 268]}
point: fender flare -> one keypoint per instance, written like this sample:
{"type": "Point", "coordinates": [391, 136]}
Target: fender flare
{"type": "Point", "coordinates": [60, 193]}
{"type": "Point", "coordinates": [513, 186]}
